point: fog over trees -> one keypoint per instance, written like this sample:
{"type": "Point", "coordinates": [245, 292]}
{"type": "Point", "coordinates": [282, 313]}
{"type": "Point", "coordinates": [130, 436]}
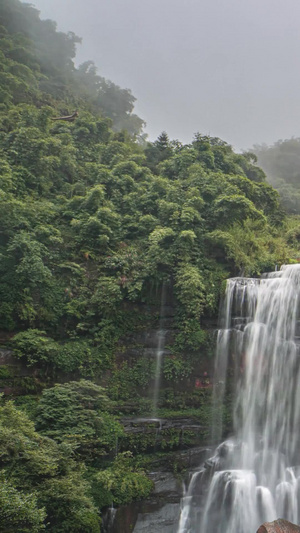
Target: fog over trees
{"type": "Point", "coordinates": [228, 69]}
{"type": "Point", "coordinates": [97, 223]}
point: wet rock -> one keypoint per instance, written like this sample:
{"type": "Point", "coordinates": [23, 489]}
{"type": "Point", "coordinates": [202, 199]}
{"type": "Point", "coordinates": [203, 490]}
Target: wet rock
{"type": "Point", "coordinates": [150, 338]}
{"type": "Point", "coordinates": [7, 358]}
{"type": "Point", "coordinates": [166, 485]}
{"type": "Point", "coordinates": [143, 424]}
{"type": "Point", "coordinates": [160, 512]}
{"type": "Point", "coordinates": [223, 452]}
{"type": "Point", "coordinates": [194, 457]}
{"type": "Point", "coordinates": [199, 481]}
{"type": "Point", "coordinates": [148, 516]}
{"type": "Point", "coordinates": [164, 519]}
{"type": "Point", "coordinates": [297, 328]}
{"type": "Point", "coordinates": [279, 526]}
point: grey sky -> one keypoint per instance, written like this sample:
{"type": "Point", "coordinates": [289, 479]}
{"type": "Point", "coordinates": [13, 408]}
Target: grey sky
{"type": "Point", "coordinates": [229, 68]}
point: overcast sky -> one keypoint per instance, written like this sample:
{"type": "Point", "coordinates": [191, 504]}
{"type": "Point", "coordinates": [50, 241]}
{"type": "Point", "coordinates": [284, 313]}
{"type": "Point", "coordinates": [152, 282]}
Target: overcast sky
{"type": "Point", "coordinates": [228, 68]}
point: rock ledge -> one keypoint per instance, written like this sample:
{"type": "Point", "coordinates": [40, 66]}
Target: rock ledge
{"type": "Point", "coordinates": [279, 526]}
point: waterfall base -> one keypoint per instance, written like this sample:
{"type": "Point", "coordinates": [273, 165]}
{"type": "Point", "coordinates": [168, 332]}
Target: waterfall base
{"type": "Point", "coordinates": [255, 477]}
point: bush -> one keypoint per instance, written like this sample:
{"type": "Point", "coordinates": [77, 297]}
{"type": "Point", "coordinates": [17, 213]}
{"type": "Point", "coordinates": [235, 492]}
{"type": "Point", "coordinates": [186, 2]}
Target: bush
{"type": "Point", "coordinates": [122, 482]}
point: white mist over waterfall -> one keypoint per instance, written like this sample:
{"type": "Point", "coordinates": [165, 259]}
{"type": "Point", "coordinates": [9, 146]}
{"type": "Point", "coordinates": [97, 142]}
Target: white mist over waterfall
{"type": "Point", "coordinates": [255, 476]}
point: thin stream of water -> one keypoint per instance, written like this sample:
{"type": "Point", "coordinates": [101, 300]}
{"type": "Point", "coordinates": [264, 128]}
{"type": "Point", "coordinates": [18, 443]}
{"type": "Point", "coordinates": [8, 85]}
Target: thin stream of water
{"type": "Point", "coordinates": [255, 476]}
{"type": "Point", "coordinates": [161, 337]}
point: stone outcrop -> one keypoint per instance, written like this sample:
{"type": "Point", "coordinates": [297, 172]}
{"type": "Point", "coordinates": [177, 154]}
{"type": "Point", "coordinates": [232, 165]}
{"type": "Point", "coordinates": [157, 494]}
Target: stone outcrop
{"type": "Point", "coordinates": [160, 512]}
{"type": "Point", "coordinates": [279, 526]}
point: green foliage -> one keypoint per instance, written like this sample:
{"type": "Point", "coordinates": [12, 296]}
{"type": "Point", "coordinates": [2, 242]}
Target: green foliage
{"type": "Point", "coordinates": [70, 405]}
{"type": "Point", "coordinates": [175, 369]}
{"type": "Point", "coordinates": [77, 412]}
{"type": "Point", "coordinates": [189, 288]}
{"type": "Point", "coordinates": [34, 346]}
{"type": "Point", "coordinates": [251, 245]}
{"type": "Point", "coordinates": [235, 208]}
{"type": "Point", "coordinates": [191, 336]}
{"type": "Point", "coordinates": [127, 381]}
{"type": "Point", "coordinates": [19, 511]}
{"type": "Point", "coordinates": [27, 403]}
{"type": "Point", "coordinates": [44, 481]}
{"type": "Point", "coordinates": [72, 356]}
{"type": "Point", "coordinates": [93, 222]}
{"type": "Point", "coordinates": [196, 404]}
{"type": "Point", "coordinates": [69, 505]}
{"type": "Point", "coordinates": [6, 372]}
{"type": "Point", "coordinates": [167, 439]}
{"type": "Point", "coordinates": [90, 221]}
{"type": "Point", "coordinates": [108, 294]}
{"type": "Point", "coordinates": [123, 482]}
{"type": "Point", "coordinates": [281, 165]}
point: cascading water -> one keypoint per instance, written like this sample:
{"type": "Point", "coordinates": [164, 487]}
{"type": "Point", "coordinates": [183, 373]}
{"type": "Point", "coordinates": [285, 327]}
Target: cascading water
{"type": "Point", "coordinates": [254, 477]}
{"type": "Point", "coordinates": [159, 352]}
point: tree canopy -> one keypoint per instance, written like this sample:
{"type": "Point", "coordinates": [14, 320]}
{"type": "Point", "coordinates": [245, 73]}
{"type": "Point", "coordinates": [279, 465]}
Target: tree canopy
{"type": "Point", "coordinates": [94, 221]}
{"type": "Point", "coordinates": [91, 218]}
{"type": "Point", "coordinates": [281, 162]}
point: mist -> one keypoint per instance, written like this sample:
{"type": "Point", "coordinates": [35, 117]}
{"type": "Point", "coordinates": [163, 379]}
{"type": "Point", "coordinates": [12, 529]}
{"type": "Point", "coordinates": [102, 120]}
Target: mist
{"type": "Point", "coordinates": [228, 69]}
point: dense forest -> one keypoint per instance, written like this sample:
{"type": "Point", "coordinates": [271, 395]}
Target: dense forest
{"type": "Point", "coordinates": [95, 220]}
{"type": "Point", "coordinates": [281, 162]}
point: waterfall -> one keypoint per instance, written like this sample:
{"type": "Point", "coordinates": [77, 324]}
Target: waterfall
{"type": "Point", "coordinates": [255, 476]}
{"type": "Point", "coordinates": [159, 351]}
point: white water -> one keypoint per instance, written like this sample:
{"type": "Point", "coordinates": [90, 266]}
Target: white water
{"type": "Point", "coordinates": [255, 476]}
{"type": "Point", "coordinates": [159, 352]}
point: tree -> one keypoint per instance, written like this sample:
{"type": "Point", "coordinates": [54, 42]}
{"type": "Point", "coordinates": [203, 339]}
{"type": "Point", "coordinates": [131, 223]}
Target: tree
{"type": "Point", "coordinates": [45, 483]}
{"type": "Point", "coordinates": [122, 482]}
{"type": "Point", "coordinates": [77, 412]}
{"type": "Point", "coordinates": [158, 151]}
{"type": "Point", "coordinates": [19, 511]}
{"type": "Point", "coordinates": [281, 164]}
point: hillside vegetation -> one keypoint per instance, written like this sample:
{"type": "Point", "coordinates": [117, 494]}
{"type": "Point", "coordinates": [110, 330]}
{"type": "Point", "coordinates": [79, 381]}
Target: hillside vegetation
{"type": "Point", "coordinates": [93, 220]}
{"type": "Point", "coordinates": [281, 162]}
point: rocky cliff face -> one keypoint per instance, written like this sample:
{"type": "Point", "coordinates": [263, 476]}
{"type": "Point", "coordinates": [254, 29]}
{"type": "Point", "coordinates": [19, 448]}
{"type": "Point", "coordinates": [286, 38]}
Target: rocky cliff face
{"type": "Point", "coordinates": [161, 511]}
{"type": "Point", "coordinates": [174, 441]}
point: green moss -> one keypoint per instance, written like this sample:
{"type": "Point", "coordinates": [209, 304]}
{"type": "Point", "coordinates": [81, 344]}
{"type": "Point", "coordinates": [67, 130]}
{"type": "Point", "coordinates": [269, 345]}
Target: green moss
{"type": "Point", "coordinates": [174, 400]}
{"type": "Point", "coordinates": [7, 371]}
{"type": "Point", "coordinates": [131, 380]}
{"type": "Point", "coordinates": [152, 439]}
{"type": "Point", "coordinates": [28, 384]}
